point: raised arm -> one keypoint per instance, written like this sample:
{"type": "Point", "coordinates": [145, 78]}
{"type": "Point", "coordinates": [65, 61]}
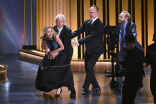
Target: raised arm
{"type": "Point", "coordinates": [98, 30]}
{"type": "Point", "coordinates": [80, 30]}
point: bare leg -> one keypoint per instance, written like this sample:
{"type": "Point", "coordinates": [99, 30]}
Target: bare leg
{"type": "Point", "coordinates": [58, 91]}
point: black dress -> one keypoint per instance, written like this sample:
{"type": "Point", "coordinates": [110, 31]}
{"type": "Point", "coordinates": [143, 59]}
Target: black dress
{"type": "Point", "coordinates": [54, 73]}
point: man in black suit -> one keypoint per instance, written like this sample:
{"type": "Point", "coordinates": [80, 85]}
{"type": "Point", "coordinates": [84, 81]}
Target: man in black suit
{"type": "Point", "coordinates": [64, 33]}
{"type": "Point", "coordinates": [125, 26]}
{"type": "Point", "coordinates": [93, 41]}
{"type": "Point", "coordinates": [150, 59]}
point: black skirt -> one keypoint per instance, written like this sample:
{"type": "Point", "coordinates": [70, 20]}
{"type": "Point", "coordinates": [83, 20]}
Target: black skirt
{"type": "Point", "coordinates": [53, 74]}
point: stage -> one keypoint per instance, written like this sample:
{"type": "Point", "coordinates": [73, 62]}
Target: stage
{"type": "Point", "coordinates": [34, 56]}
{"type": "Point", "coordinates": [20, 87]}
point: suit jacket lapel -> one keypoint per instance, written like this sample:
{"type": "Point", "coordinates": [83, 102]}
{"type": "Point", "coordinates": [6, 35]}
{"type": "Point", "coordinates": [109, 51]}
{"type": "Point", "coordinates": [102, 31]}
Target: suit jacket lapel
{"type": "Point", "coordinates": [120, 27]}
{"type": "Point", "coordinates": [128, 27]}
{"type": "Point", "coordinates": [95, 21]}
{"type": "Point", "coordinates": [90, 28]}
{"type": "Point", "coordinates": [55, 28]}
{"type": "Point", "coordinates": [62, 32]}
{"type": "Point", "coordinates": [88, 25]}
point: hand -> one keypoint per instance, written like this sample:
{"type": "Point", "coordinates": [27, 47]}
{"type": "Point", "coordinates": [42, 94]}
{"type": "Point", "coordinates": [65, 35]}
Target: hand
{"type": "Point", "coordinates": [54, 51]}
{"type": "Point", "coordinates": [52, 55]}
{"type": "Point", "coordinates": [74, 43]}
{"type": "Point", "coordinates": [47, 51]}
{"type": "Point", "coordinates": [144, 64]}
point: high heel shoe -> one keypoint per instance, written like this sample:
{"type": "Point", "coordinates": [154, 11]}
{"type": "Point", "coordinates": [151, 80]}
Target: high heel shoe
{"type": "Point", "coordinates": [44, 93]}
{"type": "Point", "coordinates": [58, 95]}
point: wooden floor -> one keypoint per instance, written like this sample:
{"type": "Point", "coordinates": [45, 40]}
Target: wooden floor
{"type": "Point", "coordinates": [20, 87]}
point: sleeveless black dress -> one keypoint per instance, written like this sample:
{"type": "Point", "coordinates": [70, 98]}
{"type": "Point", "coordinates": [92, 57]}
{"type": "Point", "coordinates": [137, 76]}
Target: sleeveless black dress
{"type": "Point", "coordinates": [54, 73]}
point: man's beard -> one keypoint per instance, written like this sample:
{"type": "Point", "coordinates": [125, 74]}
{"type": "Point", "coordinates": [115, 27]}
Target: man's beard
{"type": "Point", "coordinates": [122, 21]}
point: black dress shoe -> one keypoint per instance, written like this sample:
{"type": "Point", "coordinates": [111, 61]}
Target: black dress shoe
{"type": "Point", "coordinates": [73, 94]}
{"type": "Point", "coordinates": [85, 92]}
{"type": "Point", "coordinates": [58, 95]}
{"type": "Point", "coordinates": [91, 90]}
{"type": "Point", "coordinates": [95, 90]}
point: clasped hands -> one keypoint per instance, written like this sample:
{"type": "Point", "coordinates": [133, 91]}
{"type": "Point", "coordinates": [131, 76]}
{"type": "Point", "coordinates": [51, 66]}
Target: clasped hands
{"type": "Point", "coordinates": [52, 54]}
{"type": "Point", "coordinates": [74, 43]}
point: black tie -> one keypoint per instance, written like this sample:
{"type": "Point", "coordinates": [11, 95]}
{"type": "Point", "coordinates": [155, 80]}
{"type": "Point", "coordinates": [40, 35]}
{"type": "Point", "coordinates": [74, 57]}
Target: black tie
{"type": "Point", "coordinates": [122, 33]}
{"type": "Point", "coordinates": [88, 27]}
{"type": "Point", "coordinates": [90, 23]}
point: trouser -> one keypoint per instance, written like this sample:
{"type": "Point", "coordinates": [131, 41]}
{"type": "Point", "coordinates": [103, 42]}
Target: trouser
{"type": "Point", "coordinates": [70, 53]}
{"type": "Point", "coordinates": [153, 88]}
{"type": "Point", "coordinates": [130, 87]}
{"type": "Point", "coordinates": [90, 61]}
{"type": "Point", "coordinates": [122, 54]}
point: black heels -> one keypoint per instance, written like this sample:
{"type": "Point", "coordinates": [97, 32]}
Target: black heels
{"type": "Point", "coordinates": [44, 93]}
{"type": "Point", "coordinates": [58, 95]}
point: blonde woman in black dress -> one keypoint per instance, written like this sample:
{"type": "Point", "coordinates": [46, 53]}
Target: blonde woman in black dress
{"type": "Point", "coordinates": [54, 71]}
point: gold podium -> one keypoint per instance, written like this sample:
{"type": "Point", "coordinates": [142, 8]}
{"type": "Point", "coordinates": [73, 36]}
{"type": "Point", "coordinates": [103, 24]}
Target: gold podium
{"type": "Point", "coordinates": [3, 73]}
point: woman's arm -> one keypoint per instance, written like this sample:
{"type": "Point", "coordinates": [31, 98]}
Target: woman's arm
{"type": "Point", "coordinates": [55, 52]}
{"type": "Point", "coordinates": [43, 46]}
{"type": "Point", "coordinates": [60, 44]}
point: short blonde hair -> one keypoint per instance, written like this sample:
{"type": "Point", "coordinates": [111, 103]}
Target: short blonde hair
{"type": "Point", "coordinates": [43, 35]}
{"type": "Point", "coordinates": [60, 15]}
{"type": "Point", "coordinates": [127, 15]}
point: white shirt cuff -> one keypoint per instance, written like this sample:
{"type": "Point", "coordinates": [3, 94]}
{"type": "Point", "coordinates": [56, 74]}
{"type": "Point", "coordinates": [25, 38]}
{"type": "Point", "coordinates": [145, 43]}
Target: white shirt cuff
{"type": "Point", "coordinates": [78, 43]}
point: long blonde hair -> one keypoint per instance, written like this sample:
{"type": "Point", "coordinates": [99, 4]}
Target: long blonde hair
{"type": "Point", "coordinates": [43, 35]}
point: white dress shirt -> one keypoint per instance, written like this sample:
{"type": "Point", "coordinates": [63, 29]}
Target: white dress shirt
{"type": "Point", "coordinates": [59, 30]}
{"type": "Point", "coordinates": [94, 19]}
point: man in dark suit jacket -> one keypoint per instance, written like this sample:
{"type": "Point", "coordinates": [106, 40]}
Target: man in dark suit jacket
{"type": "Point", "coordinates": [150, 59]}
{"type": "Point", "coordinates": [124, 27]}
{"type": "Point", "coordinates": [93, 41]}
{"type": "Point", "coordinates": [131, 29]}
{"type": "Point", "coordinates": [64, 33]}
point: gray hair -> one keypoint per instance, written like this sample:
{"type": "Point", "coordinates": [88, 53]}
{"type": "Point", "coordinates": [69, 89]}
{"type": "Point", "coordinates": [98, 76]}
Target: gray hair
{"type": "Point", "coordinates": [60, 15]}
{"type": "Point", "coordinates": [127, 15]}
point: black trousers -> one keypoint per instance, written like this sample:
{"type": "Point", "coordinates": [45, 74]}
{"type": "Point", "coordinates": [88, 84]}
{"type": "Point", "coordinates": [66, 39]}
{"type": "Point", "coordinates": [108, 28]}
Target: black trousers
{"type": "Point", "coordinates": [129, 91]}
{"type": "Point", "coordinates": [90, 61]}
{"type": "Point", "coordinates": [153, 88]}
{"type": "Point", "coordinates": [70, 54]}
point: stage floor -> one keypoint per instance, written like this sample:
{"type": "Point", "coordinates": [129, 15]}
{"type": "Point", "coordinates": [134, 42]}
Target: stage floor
{"type": "Point", "coordinates": [20, 87]}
